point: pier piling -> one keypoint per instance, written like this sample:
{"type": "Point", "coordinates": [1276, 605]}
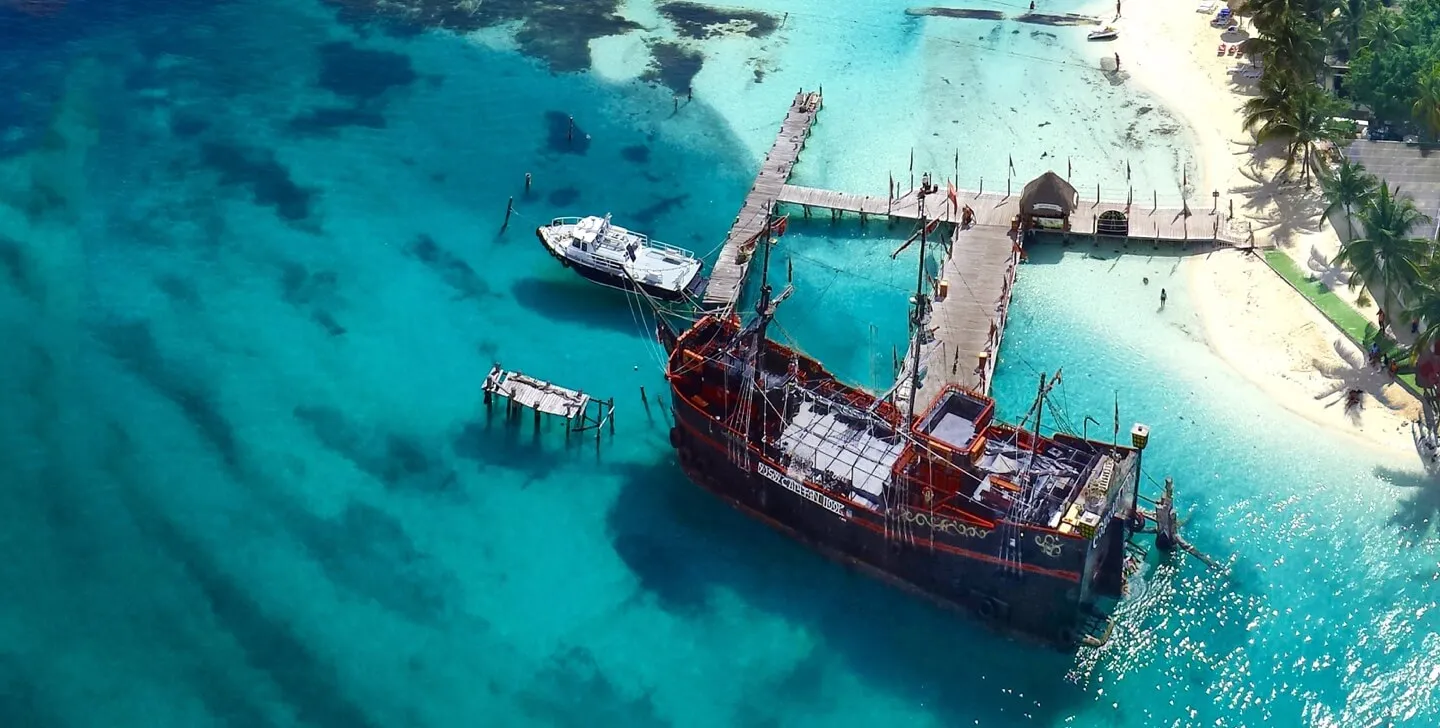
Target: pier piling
{"type": "Point", "coordinates": [509, 210]}
{"type": "Point", "coordinates": [570, 132]}
{"type": "Point", "coordinates": [527, 183]}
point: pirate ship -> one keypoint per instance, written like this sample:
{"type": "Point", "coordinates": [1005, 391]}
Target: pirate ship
{"type": "Point", "coordinates": [1030, 532]}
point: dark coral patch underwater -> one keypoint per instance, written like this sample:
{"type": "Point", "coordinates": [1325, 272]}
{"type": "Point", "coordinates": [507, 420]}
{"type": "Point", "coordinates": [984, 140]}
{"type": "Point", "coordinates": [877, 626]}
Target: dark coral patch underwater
{"type": "Point", "coordinates": [556, 32]}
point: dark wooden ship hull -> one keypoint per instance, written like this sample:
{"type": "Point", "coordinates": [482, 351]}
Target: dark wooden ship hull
{"type": "Point", "coordinates": [948, 561]}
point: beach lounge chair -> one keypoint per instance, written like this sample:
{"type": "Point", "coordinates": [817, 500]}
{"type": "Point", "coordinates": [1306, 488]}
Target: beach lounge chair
{"type": "Point", "coordinates": [1206, 6]}
{"type": "Point", "coordinates": [1234, 49]}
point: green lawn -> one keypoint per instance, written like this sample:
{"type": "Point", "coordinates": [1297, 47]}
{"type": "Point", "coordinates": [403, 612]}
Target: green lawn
{"type": "Point", "coordinates": [1360, 329]}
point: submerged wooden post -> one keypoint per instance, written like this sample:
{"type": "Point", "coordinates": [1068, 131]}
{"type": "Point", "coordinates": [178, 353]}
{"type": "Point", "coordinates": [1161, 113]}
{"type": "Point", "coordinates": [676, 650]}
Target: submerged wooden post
{"type": "Point", "coordinates": [509, 208]}
{"type": "Point", "coordinates": [527, 183]}
{"type": "Point", "coordinates": [570, 132]}
{"type": "Point", "coordinates": [611, 403]}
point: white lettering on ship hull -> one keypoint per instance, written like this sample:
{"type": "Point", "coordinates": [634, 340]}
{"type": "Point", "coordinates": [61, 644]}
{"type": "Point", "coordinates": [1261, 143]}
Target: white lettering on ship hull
{"type": "Point", "coordinates": [774, 476]}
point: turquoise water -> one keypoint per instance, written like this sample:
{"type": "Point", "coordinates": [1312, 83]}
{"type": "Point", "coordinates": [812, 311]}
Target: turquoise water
{"type": "Point", "coordinates": [248, 479]}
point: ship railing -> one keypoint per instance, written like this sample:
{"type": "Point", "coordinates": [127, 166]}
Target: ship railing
{"type": "Point", "coordinates": [566, 220]}
{"type": "Point", "coordinates": [630, 236]}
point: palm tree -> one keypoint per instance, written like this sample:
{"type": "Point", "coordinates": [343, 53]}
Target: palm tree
{"type": "Point", "coordinates": [1347, 187]}
{"type": "Point", "coordinates": [1383, 30]}
{"type": "Point", "coordinates": [1346, 25]}
{"type": "Point", "coordinates": [1427, 106]}
{"type": "Point", "coordinates": [1426, 309]}
{"type": "Point", "coordinates": [1292, 44]}
{"type": "Point", "coordinates": [1266, 15]}
{"type": "Point", "coordinates": [1296, 112]}
{"type": "Point", "coordinates": [1388, 257]}
{"type": "Point", "coordinates": [1274, 103]}
{"type": "Point", "coordinates": [1312, 121]}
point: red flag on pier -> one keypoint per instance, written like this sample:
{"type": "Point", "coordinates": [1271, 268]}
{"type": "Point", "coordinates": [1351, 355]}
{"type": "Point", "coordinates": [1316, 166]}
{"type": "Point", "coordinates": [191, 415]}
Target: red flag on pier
{"type": "Point", "coordinates": [778, 225]}
{"type": "Point", "coordinates": [930, 228]}
{"type": "Point", "coordinates": [951, 193]}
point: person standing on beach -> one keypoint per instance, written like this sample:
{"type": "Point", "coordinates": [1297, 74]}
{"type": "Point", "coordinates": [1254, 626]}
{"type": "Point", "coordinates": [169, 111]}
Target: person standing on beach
{"type": "Point", "coordinates": [1117, 9]}
{"type": "Point", "coordinates": [1162, 298]}
{"type": "Point", "coordinates": [1117, 62]}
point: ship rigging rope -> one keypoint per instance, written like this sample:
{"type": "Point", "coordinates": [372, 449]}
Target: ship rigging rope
{"type": "Point", "coordinates": [637, 316]}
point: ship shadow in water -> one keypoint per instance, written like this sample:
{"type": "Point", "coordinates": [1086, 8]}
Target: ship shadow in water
{"type": "Point", "coordinates": [683, 543]}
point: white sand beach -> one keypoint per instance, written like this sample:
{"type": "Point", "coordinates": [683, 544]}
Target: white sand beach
{"type": "Point", "coordinates": [1253, 319]}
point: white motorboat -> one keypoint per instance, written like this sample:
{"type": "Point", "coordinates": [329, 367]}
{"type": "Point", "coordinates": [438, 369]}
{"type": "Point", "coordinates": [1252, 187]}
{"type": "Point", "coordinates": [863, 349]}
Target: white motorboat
{"type": "Point", "coordinates": [613, 256]}
{"type": "Point", "coordinates": [1106, 33]}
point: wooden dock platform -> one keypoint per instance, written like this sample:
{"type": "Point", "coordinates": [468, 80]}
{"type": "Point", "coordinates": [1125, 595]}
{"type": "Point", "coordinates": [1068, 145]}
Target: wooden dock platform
{"type": "Point", "coordinates": [727, 277]}
{"type": "Point", "coordinates": [521, 391]}
{"type": "Point", "coordinates": [967, 322]}
{"type": "Point", "coordinates": [1145, 222]}
{"type": "Point", "coordinates": [904, 207]}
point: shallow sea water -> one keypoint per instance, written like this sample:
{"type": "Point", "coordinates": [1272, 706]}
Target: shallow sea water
{"type": "Point", "coordinates": [251, 277]}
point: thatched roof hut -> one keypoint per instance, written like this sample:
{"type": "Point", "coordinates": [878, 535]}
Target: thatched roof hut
{"type": "Point", "coordinates": [1049, 195]}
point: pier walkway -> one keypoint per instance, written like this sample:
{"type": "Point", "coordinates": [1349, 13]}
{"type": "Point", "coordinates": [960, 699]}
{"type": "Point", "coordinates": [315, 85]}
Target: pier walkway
{"type": "Point", "coordinates": [727, 278]}
{"type": "Point", "coordinates": [971, 301]}
{"type": "Point", "coordinates": [1140, 221]}
{"type": "Point", "coordinates": [904, 207]}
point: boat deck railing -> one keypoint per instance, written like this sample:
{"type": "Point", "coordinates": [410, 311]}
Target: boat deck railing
{"type": "Point", "coordinates": [607, 235]}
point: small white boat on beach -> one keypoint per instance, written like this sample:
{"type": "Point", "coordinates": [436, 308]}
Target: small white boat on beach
{"type": "Point", "coordinates": [612, 256]}
{"type": "Point", "coordinates": [1108, 32]}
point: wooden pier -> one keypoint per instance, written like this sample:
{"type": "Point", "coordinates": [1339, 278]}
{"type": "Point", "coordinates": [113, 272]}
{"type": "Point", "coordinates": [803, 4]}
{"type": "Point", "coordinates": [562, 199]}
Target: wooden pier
{"type": "Point", "coordinates": [1140, 221]}
{"type": "Point", "coordinates": [971, 301]}
{"type": "Point", "coordinates": [520, 391]}
{"type": "Point", "coordinates": [904, 207]}
{"type": "Point", "coordinates": [727, 278]}
{"type": "Point", "coordinates": [971, 296]}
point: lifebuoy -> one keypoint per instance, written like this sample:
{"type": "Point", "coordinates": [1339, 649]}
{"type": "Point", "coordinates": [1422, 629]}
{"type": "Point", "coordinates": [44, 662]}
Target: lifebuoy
{"type": "Point", "coordinates": [987, 608]}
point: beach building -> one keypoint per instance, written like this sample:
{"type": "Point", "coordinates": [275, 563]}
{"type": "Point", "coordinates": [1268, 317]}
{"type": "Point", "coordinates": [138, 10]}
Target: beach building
{"type": "Point", "coordinates": [1412, 168]}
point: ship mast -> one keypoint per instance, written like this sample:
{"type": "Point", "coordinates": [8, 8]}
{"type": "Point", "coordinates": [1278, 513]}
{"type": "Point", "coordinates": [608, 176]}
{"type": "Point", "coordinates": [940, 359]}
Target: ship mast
{"type": "Point", "coordinates": [917, 316]}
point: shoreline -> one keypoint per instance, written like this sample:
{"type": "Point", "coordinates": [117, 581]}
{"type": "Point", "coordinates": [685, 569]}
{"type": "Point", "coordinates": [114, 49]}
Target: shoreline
{"type": "Point", "coordinates": [1252, 319]}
